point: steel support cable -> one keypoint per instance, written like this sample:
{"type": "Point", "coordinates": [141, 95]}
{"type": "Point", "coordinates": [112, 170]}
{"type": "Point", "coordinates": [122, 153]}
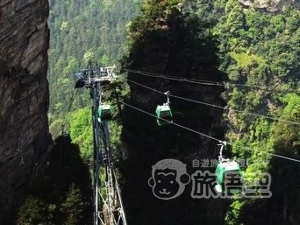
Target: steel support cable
{"type": "Point", "coordinates": [272, 154]}
{"type": "Point", "coordinates": [202, 134]}
{"type": "Point", "coordinates": [155, 75]}
{"type": "Point", "coordinates": [284, 157]}
{"type": "Point", "coordinates": [216, 106]}
{"type": "Point", "coordinates": [175, 96]}
{"type": "Point", "coordinates": [176, 124]}
{"type": "Point", "coordinates": [207, 82]}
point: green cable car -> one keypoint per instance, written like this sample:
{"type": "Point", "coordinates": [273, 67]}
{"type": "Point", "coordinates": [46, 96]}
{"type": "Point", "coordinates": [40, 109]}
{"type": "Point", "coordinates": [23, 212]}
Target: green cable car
{"type": "Point", "coordinates": [164, 114]}
{"type": "Point", "coordinates": [229, 176]}
{"type": "Point", "coordinates": [105, 112]}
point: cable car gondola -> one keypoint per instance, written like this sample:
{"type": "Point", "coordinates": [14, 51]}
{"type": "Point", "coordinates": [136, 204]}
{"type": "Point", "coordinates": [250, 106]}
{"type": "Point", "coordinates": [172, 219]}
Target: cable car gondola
{"type": "Point", "coordinates": [164, 114]}
{"type": "Point", "coordinates": [228, 174]}
{"type": "Point", "coordinates": [105, 112]}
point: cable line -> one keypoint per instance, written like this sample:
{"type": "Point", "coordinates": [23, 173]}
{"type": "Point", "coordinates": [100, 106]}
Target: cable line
{"type": "Point", "coordinates": [176, 124]}
{"type": "Point", "coordinates": [175, 96]}
{"type": "Point", "coordinates": [284, 157]}
{"type": "Point", "coordinates": [272, 154]}
{"type": "Point", "coordinates": [216, 106]}
{"type": "Point", "coordinates": [206, 82]}
{"type": "Point", "coordinates": [202, 134]}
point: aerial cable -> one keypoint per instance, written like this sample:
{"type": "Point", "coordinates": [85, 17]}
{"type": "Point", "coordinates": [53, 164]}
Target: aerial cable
{"type": "Point", "coordinates": [155, 75]}
{"type": "Point", "coordinates": [284, 157]}
{"type": "Point", "coordinates": [260, 88]}
{"type": "Point", "coordinates": [206, 82]}
{"type": "Point", "coordinates": [176, 124]}
{"type": "Point", "coordinates": [223, 143]}
{"type": "Point", "coordinates": [272, 154]}
{"type": "Point", "coordinates": [175, 96]}
{"type": "Point", "coordinates": [216, 106]}
{"type": "Point", "coordinates": [264, 116]}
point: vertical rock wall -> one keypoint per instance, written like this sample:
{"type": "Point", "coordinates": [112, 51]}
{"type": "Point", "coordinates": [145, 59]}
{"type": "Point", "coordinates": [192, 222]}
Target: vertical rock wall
{"type": "Point", "coordinates": [24, 96]}
{"type": "Point", "coordinates": [170, 45]}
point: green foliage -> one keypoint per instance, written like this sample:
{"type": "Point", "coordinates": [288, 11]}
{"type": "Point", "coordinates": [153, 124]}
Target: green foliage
{"type": "Point", "coordinates": [259, 51]}
{"type": "Point", "coordinates": [246, 60]}
{"type": "Point", "coordinates": [73, 207]}
{"type": "Point", "coordinates": [56, 127]}
{"type": "Point", "coordinates": [287, 135]}
{"type": "Point", "coordinates": [156, 16]}
{"type": "Point", "coordinates": [81, 131]}
{"type": "Point", "coordinates": [232, 217]}
{"type": "Point", "coordinates": [82, 30]}
{"type": "Point", "coordinates": [61, 194]}
{"type": "Point", "coordinates": [34, 211]}
{"type": "Point", "coordinates": [292, 108]}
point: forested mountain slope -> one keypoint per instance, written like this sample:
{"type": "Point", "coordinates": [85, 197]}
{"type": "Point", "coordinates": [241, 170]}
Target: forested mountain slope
{"type": "Point", "coordinates": [82, 30]}
{"type": "Point", "coordinates": [260, 52]}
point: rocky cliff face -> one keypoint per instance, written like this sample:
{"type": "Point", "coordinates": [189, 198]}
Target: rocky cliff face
{"type": "Point", "coordinates": [270, 5]}
{"type": "Point", "coordinates": [24, 134]}
{"type": "Point", "coordinates": [171, 46]}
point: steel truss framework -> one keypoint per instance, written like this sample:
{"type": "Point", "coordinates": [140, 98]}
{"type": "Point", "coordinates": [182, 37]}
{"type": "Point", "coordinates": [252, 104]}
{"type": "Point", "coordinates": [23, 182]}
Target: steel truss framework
{"type": "Point", "coordinates": [108, 205]}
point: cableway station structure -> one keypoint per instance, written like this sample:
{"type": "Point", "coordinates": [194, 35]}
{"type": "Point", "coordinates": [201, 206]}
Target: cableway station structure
{"type": "Point", "coordinates": [108, 205]}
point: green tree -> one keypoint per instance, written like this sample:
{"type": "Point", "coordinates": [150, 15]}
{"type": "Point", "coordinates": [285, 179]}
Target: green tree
{"type": "Point", "coordinates": [61, 193]}
{"type": "Point", "coordinates": [73, 207]}
{"type": "Point", "coordinates": [34, 211]}
{"type": "Point", "coordinates": [81, 131]}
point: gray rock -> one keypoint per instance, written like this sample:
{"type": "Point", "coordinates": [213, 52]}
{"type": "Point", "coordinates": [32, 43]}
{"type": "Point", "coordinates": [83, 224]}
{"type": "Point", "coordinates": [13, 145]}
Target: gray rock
{"type": "Point", "coordinates": [24, 96]}
{"type": "Point", "coordinates": [270, 5]}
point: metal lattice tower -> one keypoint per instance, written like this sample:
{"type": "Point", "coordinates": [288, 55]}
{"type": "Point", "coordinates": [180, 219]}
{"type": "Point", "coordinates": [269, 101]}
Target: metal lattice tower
{"type": "Point", "coordinates": [108, 205]}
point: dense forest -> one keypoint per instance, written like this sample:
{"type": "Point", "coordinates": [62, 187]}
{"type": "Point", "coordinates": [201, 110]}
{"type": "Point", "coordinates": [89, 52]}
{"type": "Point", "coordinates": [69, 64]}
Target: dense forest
{"type": "Point", "coordinates": [249, 55]}
{"type": "Point", "coordinates": [99, 28]}
{"type": "Point", "coordinates": [260, 52]}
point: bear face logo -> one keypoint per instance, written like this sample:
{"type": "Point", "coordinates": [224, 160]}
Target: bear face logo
{"type": "Point", "coordinates": [168, 179]}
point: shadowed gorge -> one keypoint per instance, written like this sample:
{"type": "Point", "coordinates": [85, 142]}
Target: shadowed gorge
{"type": "Point", "coordinates": [61, 192]}
{"type": "Point", "coordinates": [178, 45]}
